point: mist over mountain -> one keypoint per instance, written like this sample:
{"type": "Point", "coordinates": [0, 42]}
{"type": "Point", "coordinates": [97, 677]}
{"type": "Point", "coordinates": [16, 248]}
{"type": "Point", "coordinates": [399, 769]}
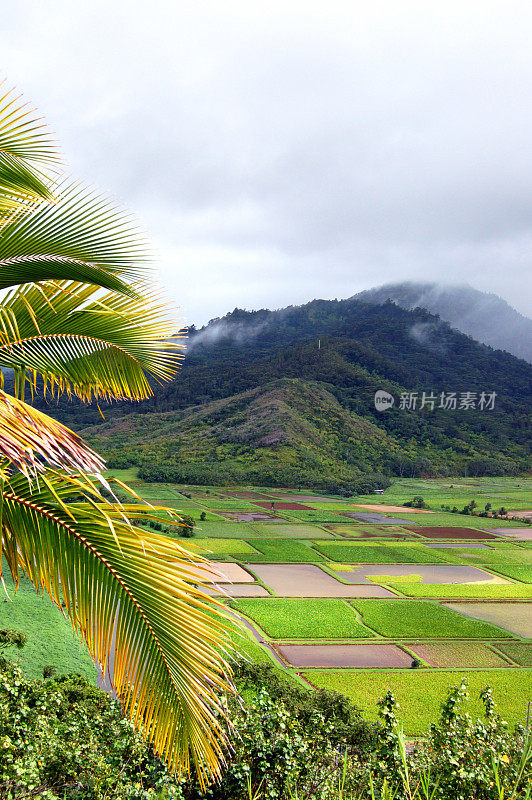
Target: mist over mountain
{"type": "Point", "coordinates": [486, 317]}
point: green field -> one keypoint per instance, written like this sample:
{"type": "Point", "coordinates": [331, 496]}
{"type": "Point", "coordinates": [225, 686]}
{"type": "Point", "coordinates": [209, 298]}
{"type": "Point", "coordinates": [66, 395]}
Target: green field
{"type": "Point", "coordinates": [421, 619]}
{"type": "Point", "coordinates": [419, 693]}
{"type": "Point", "coordinates": [489, 591]}
{"type": "Point", "coordinates": [221, 546]}
{"type": "Point", "coordinates": [520, 652]}
{"type": "Point", "coordinates": [500, 554]}
{"type": "Point", "coordinates": [283, 551]}
{"type": "Point", "coordinates": [381, 553]}
{"type": "Point", "coordinates": [304, 619]}
{"type": "Point", "coordinates": [518, 572]}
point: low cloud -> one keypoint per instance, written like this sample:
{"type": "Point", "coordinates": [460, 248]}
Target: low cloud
{"type": "Point", "coordinates": [296, 150]}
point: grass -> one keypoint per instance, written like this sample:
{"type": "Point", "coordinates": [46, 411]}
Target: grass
{"type": "Point", "coordinates": [422, 619]}
{"type": "Point", "coordinates": [446, 520]}
{"type": "Point", "coordinates": [50, 638]}
{"type": "Point", "coordinates": [420, 692]}
{"type": "Point", "coordinates": [283, 551]}
{"type": "Point", "coordinates": [325, 618]}
{"type": "Point", "coordinates": [456, 591]}
{"type": "Point", "coordinates": [382, 553]}
{"type": "Point", "coordinates": [520, 652]}
{"type": "Point", "coordinates": [124, 475]}
{"type": "Point", "coordinates": [230, 505]}
{"type": "Point", "coordinates": [246, 646]}
{"type": "Point", "coordinates": [320, 516]}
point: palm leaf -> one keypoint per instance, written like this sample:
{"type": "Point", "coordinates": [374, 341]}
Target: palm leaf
{"type": "Point", "coordinates": [23, 134]}
{"type": "Point", "coordinates": [101, 346]}
{"type": "Point", "coordinates": [24, 142]}
{"type": "Point", "coordinates": [29, 438]}
{"type": "Point", "coordinates": [139, 593]}
{"type": "Point", "coordinates": [82, 227]}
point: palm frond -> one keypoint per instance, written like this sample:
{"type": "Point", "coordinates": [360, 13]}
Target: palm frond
{"type": "Point", "coordinates": [78, 341]}
{"type": "Point", "coordinates": [140, 594]}
{"type": "Point", "coordinates": [81, 227]}
{"type": "Point", "coordinates": [23, 134]}
{"type": "Point", "coordinates": [25, 142]}
{"type": "Point", "coordinates": [30, 439]}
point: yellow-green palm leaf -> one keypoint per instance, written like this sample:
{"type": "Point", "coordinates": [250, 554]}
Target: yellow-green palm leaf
{"type": "Point", "coordinates": [26, 149]}
{"type": "Point", "coordinates": [135, 592]}
{"type": "Point", "coordinates": [81, 341]}
{"type": "Point", "coordinates": [79, 321]}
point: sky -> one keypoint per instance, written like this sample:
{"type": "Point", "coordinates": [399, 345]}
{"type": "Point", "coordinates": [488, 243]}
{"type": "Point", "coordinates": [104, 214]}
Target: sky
{"type": "Point", "coordinates": [282, 151]}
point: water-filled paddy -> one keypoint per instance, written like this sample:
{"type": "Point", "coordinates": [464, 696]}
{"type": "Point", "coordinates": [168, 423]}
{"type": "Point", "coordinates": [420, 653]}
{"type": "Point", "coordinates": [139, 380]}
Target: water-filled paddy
{"type": "Point", "coordinates": [346, 655]}
{"type": "Point", "coordinates": [434, 573]}
{"type": "Point", "coordinates": [239, 590]}
{"type": "Point", "coordinates": [222, 573]}
{"type": "Point", "coordinates": [376, 519]}
{"type": "Point", "coordinates": [307, 580]}
{"type": "Point", "coordinates": [514, 617]}
{"type": "Point", "coordinates": [397, 509]}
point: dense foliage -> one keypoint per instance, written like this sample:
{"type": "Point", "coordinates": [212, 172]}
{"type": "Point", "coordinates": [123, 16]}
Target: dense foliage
{"type": "Point", "coordinates": [63, 739]}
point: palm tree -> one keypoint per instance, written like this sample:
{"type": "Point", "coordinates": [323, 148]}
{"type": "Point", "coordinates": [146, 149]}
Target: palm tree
{"type": "Point", "coordinates": [78, 316]}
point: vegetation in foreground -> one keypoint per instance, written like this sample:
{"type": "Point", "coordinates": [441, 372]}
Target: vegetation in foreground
{"type": "Point", "coordinates": [62, 739]}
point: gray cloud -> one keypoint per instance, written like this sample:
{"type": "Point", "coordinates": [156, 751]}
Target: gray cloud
{"type": "Point", "coordinates": [301, 149]}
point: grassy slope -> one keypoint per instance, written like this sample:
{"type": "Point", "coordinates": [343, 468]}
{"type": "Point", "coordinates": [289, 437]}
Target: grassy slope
{"type": "Point", "coordinates": [51, 639]}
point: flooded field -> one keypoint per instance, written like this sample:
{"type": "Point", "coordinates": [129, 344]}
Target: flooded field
{"type": "Point", "coordinates": [307, 580]}
{"type": "Point", "coordinates": [398, 509]}
{"type": "Point", "coordinates": [376, 519]}
{"type": "Point", "coordinates": [249, 516]}
{"type": "Point", "coordinates": [514, 617]}
{"type": "Point", "coordinates": [346, 655]}
{"type": "Point", "coordinates": [525, 534]}
{"type": "Point", "coordinates": [452, 533]}
{"type": "Point", "coordinates": [437, 573]}
{"type": "Point", "coordinates": [240, 590]}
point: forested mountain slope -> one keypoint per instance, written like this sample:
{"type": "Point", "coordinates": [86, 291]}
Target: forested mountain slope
{"type": "Point", "coordinates": [293, 391]}
{"type": "Point", "coordinates": [486, 317]}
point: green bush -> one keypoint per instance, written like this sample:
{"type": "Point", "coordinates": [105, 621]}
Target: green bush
{"type": "Point", "coordinates": [64, 738]}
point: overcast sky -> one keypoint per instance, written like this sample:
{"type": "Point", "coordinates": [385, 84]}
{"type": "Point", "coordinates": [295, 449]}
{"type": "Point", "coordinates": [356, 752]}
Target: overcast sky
{"type": "Point", "coordinates": [279, 152]}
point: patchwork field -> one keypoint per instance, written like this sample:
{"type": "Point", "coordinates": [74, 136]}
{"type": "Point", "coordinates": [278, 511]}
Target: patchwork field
{"type": "Point", "coordinates": [349, 592]}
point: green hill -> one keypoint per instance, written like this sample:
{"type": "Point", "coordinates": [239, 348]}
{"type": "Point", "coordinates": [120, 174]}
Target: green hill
{"type": "Point", "coordinates": [287, 397]}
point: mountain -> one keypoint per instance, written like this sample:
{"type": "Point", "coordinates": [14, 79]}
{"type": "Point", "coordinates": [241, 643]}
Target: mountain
{"type": "Point", "coordinates": [287, 397]}
{"type": "Point", "coordinates": [486, 317]}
